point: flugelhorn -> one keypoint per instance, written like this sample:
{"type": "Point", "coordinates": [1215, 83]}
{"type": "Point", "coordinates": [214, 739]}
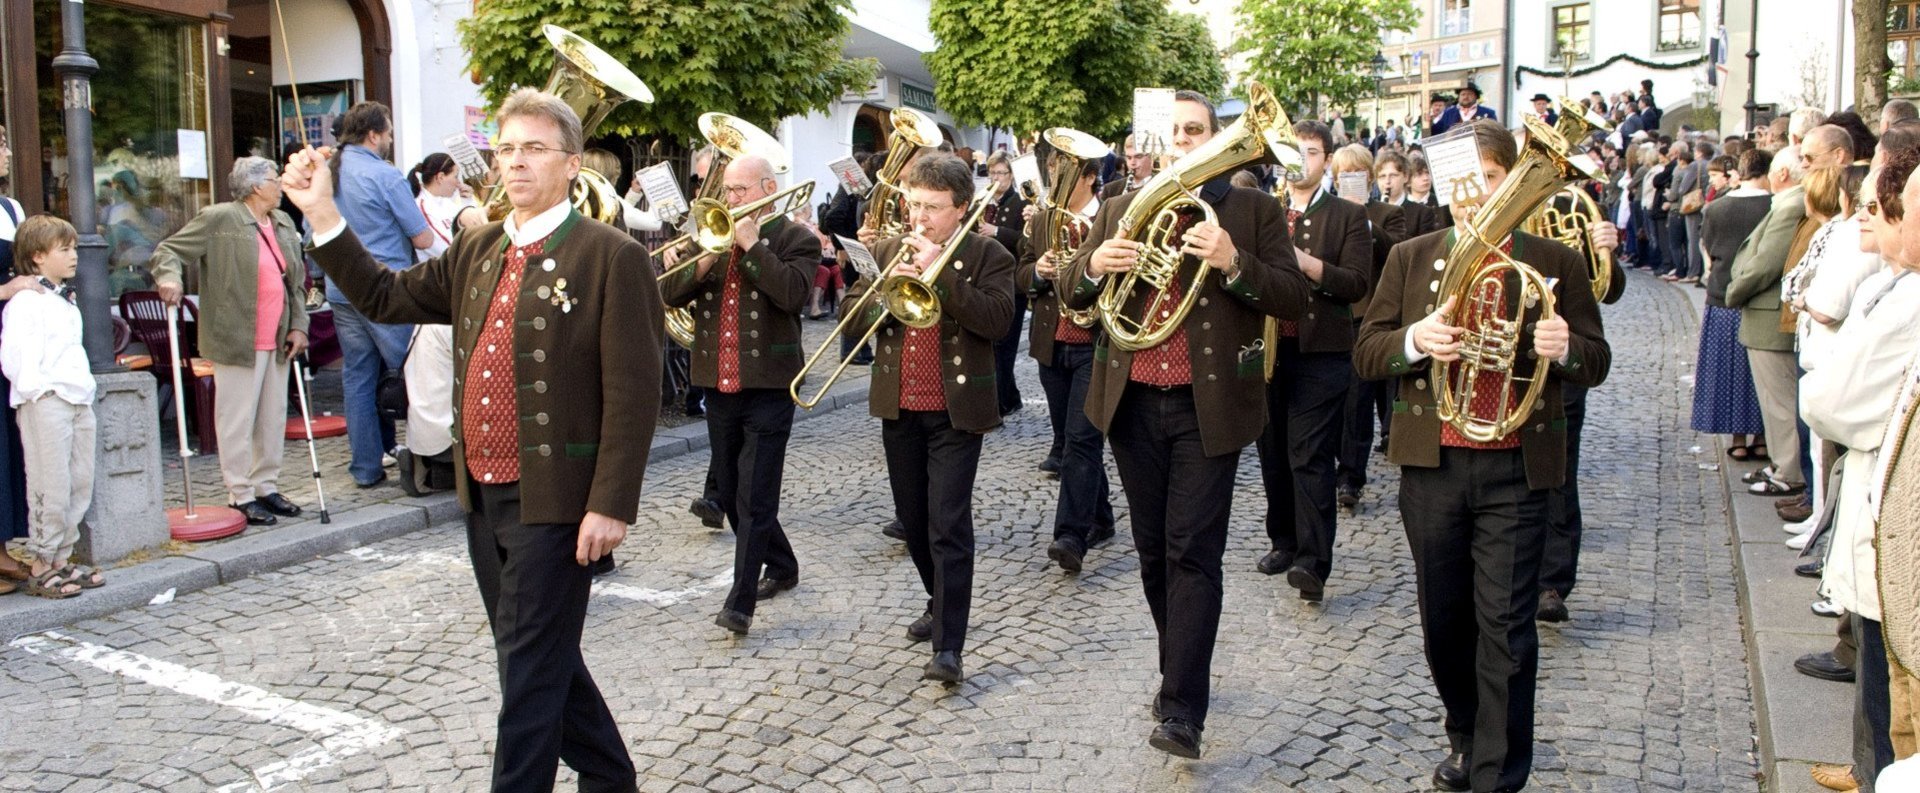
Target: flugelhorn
{"type": "Point", "coordinates": [912, 131]}
{"type": "Point", "coordinates": [1158, 210]}
{"type": "Point", "coordinates": [1491, 335]}
{"type": "Point", "coordinates": [907, 299]}
{"type": "Point", "coordinates": [709, 220]}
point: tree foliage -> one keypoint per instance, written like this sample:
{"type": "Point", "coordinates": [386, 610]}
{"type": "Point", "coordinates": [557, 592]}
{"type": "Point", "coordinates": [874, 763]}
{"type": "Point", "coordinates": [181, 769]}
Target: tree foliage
{"type": "Point", "coordinates": [761, 60]}
{"type": "Point", "coordinates": [1032, 64]}
{"type": "Point", "coordinates": [1308, 49]}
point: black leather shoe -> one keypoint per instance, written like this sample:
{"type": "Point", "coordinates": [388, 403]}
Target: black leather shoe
{"type": "Point", "coordinates": [1154, 709]}
{"type": "Point", "coordinates": [774, 586]}
{"type": "Point", "coordinates": [945, 667]}
{"type": "Point", "coordinates": [1275, 562]}
{"type": "Point", "coordinates": [895, 530]}
{"type": "Point", "coordinates": [1177, 737]}
{"type": "Point", "coordinates": [1451, 773]}
{"type": "Point", "coordinates": [1068, 551]}
{"type": "Point", "coordinates": [603, 566]}
{"type": "Point", "coordinates": [1099, 536]}
{"type": "Point", "coordinates": [279, 505]}
{"type": "Point", "coordinates": [733, 621]}
{"type": "Point", "coordinates": [1050, 465]}
{"type": "Point", "coordinates": [1811, 569]}
{"type": "Point", "coordinates": [1312, 589]}
{"type": "Point", "coordinates": [257, 515]}
{"type": "Point", "coordinates": [1553, 608]}
{"type": "Point", "coordinates": [708, 511]}
{"type": "Point", "coordinates": [1349, 497]}
{"type": "Point", "coordinates": [1823, 666]}
{"type": "Point", "coordinates": [922, 628]}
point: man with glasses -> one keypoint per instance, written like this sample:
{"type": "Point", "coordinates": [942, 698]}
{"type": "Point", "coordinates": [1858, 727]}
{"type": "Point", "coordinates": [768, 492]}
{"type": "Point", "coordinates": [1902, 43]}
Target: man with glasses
{"type": "Point", "coordinates": [933, 389]}
{"type": "Point", "coordinates": [1139, 169]}
{"type": "Point", "coordinates": [1179, 413]}
{"type": "Point", "coordinates": [557, 336]}
{"type": "Point", "coordinates": [746, 349]}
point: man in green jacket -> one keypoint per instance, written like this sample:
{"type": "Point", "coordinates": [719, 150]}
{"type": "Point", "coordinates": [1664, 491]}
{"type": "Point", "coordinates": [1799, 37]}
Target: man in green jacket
{"type": "Point", "coordinates": [1755, 289]}
{"type": "Point", "coordinates": [253, 321]}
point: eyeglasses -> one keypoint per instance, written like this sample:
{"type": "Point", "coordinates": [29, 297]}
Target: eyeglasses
{"type": "Point", "coordinates": [914, 207]}
{"type": "Point", "coordinates": [1194, 130]}
{"type": "Point", "coordinates": [734, 190]}
{"type": "Point", "coordinates": [508, 151]}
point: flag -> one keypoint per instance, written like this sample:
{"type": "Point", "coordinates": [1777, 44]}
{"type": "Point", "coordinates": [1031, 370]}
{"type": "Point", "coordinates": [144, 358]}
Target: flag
{"type": "Point", "coordinates": [1717, 76]}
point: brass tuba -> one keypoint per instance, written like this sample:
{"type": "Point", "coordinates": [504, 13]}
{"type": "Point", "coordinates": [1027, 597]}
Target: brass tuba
{"type": "Point", "coordinates": [592, 83]}
{"type": "Point", "coordinates": [1569, 218]}
{"type": "Point", "coordinates": [1060, 230]}
{"type": "Point", "coordinates": [1157, 210]}
{"type": "Point", "coordinates": [912, 131]}
{"type": "Point", "coordinates": [1490, 341]}
{"type": "Point", "coordinates": [709, 220]}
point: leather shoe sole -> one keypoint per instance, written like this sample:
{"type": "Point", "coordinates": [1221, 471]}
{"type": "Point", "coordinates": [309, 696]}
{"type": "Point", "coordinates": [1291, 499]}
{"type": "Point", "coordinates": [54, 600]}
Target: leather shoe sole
{"type": "Point", "coordinates": [1310, 586]}
{"type": "Point", "coordinates": [733, 621]}
{"type": "Point", "coordinates": [1067, 554]}
{"type": "Point", "coordinates": [773, 586]}
{"type": "Point", "coordinates": [1177, 738]}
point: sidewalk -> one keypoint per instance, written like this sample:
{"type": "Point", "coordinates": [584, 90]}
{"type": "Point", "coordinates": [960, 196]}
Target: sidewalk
{"type": "Point", "coordinates": [1801, 720]}
{"type": "Point", "coordinates": [358, 516]}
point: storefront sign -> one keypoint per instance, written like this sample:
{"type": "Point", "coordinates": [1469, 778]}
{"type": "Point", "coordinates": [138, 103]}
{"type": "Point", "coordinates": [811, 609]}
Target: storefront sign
{"type": "Point", "coordinates": [914, 96]}
{"type": "Point", "coordinates": [875, 91]}
{"type": "Point", "coordinates": [193, 153]}
{"type": "Point", "coordinates": [480, 128]}
{"type": "Point", "coordinates": [317, 110]}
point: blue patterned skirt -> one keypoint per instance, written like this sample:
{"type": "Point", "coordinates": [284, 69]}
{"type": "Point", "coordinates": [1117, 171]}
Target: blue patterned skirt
{"type": "Point", "coordinates": [1724, 402]}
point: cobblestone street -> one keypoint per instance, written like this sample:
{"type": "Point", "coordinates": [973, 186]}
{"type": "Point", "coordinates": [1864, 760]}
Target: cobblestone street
{"type": "Point", "coordinates": [372, 669]}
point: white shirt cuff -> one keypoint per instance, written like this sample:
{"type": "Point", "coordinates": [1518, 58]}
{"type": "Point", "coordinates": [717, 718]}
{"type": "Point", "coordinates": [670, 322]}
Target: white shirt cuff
{"type": "Point", "coordinates": [323, 237]}
{"type": "Point", "coordinates": [1413, 356]}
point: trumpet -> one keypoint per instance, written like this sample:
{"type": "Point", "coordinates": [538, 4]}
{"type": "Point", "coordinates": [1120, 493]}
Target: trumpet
{"type": "Point", "coordinates": [907, 299]}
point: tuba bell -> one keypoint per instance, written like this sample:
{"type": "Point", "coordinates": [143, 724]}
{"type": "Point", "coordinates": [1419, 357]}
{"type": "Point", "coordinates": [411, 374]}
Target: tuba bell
{"type": "Point", "coordinates": [1569, 218]}
{"type": "Point", "coordinates": [1161, 205]}
{"type": "Point", "coordinates": [1489, 307]}
{"type": "Point", "coordinates": [1059, 230]}
{"type": "Point", "coordinates": [912, 131]}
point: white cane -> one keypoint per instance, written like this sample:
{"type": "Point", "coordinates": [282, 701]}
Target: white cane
{"type": "Point", "coordinates": [313, 456]}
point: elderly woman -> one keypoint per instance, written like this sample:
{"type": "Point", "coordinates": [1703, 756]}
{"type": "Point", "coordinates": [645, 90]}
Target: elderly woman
{"type": "Point", "coordinates": [253, 320]}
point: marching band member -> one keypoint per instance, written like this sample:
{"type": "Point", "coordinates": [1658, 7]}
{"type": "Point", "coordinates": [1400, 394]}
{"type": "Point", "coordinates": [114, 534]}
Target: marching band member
{"type": "Point", "coordinates": [1004, 222]}
{"type": "Point", "coordinates": [1365, 398]}
{"type": "Point", "coordinates": [1083, 518]}
{"type": "Point", "coordinates": [1178, 413]}
{"type": "Point", "coordinates": [746, 316]}
{"type": "Point", "coordinates": [1314, 367]}
{"type": "Point", "coordinates": [1476, 513]}
{"type": "Point", "coordinates": [1139, 168]}
{"type": "Point", "coordinates": [1393, 172]}
{"type": "Point", "coordinates": [933, 390]}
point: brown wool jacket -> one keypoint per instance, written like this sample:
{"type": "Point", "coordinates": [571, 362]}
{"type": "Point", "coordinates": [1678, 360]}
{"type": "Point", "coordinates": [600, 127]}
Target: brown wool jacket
{"type": "Point", "coordinates": [1042, 298]}
{"type": "Point", "coordinates": [1229, 379]}
{"type": "Point", "coordinates": [1334, 230]}
{"type": "Point", "coordinates": [1388, 224]}
{"type": "Point", "coordinates": [976, 305]}
{"type": "Point", "coordinates": [1408, 293]}
{"type": "Point", "coordinates": [588, 377]}
{"type": "Point", "coordinates": [775, 277]}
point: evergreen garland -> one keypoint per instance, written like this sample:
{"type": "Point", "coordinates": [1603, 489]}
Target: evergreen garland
{"type": "Point", "coordinates": [1520, 73]}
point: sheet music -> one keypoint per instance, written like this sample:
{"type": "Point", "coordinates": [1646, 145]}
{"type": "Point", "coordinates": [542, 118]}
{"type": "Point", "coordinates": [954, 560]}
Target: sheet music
{"type": "Point", "coordinates": [662, 190]}
{"type": "Point", "coordinates": [1454, 161]}
{"type": "Point", "coordinates": [1026, 169]}
{"type": "Point", "coordinates": [1352, 186]}
{"type": "Point", "coordinates": [850, 175]}
{"type": "Point", "coordinates": [1153, 120]}
{"type": "Point", "coordinates": [862, 259]}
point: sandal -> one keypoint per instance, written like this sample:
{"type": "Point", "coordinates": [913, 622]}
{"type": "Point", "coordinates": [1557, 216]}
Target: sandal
{"type": "Point", "coordinates": [8, 587]}
{"type": "Point", "coordinates": [51, 586]}
{"type": "Point", "coordinates": [1759, 452]}
{"type": "Point", "coordinates": [1741, 453]}
{"type": "Point", "coordinates": [1757, 476]}
{"type": "Point", "coordinates": [1774, 487]}
{"type": "Point", "coordinates": [86, 577]}
{"type": "Point", "coordinates": [12, 569]}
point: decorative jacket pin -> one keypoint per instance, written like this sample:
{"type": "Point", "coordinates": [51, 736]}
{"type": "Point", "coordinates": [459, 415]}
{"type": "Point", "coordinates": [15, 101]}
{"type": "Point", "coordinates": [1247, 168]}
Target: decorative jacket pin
{"type": "Point", "coordinates": [561, 298]}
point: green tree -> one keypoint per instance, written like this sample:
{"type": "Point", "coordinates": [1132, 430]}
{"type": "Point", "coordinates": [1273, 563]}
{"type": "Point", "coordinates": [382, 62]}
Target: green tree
{"type": "Point", "coordinates": [1031, 65]}
{"type": "Point", "coordinates": [761, 60]}
{"type": "Point", "coordinates": [1308, 49]}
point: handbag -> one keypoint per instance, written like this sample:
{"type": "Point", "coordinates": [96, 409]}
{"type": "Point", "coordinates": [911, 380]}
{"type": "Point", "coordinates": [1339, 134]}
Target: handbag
{"type": "Point", "coordinates": [1692, 202]}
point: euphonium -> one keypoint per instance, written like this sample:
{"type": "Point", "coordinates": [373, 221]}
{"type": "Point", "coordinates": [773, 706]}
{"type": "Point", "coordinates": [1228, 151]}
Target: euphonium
{"type": "Point", "coordinates": [1569, 218]}
{"type": "Point", "coordinates": [912, 131]}
{"type": "Point", "coordinates": [1157, 210]}
{"type": "Point", "coordinates": [592, 83]}
{"type": "Point", "coordinates": [1492, 323]}
{"type": "Point", "coordinates": [709, 220]}
{"type": "Point", "coordinates": [1060, 231]}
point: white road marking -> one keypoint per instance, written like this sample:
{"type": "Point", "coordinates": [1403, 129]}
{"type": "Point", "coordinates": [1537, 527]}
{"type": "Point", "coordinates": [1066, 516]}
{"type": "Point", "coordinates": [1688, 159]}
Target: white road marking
{"type": "Point", "coordinates": [661, 598]}
{"type": "Point", "coordinates": [340, 734]}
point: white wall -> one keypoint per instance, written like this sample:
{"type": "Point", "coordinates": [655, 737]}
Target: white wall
{"type": "Point", "coordinates": [432, 86]}
{"type": "Point", "coordinates": [1792, 33]}
{"type": "Point", "coordinates": [1617, 27]}
{"type": "Point", "coordinates": [324, 38]}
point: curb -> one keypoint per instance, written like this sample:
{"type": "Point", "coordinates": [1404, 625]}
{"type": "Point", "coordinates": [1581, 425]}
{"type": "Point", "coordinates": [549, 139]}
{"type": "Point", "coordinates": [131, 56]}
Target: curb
{"type": "Point", "coordinates": [249, 555]}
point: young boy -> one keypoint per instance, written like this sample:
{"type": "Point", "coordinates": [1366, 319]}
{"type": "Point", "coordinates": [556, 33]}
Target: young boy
{"type": "Point", "coordinates": [53, 393]}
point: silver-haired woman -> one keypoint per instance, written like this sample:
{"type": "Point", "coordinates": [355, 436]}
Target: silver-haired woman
{"type": "Point", "coordinates": [253, 319]}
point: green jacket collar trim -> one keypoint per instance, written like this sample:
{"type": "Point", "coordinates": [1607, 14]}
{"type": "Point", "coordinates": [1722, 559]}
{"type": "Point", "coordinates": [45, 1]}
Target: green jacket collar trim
{"type": "Point", "coordinates": [558, 236]}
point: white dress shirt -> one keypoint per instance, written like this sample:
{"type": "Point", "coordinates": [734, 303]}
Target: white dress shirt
{"type": "Point", "coordinates": [41, 351]}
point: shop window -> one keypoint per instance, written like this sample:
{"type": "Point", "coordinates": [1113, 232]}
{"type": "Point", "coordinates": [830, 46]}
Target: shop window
{"type": "Point", "coordinates": [1572, 33]}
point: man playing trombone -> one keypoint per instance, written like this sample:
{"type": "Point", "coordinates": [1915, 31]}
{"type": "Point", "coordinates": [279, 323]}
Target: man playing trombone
{"type": "Point", "coordinates": [746, 348]}
{"type": "Point", "coordinates": [933, 388]}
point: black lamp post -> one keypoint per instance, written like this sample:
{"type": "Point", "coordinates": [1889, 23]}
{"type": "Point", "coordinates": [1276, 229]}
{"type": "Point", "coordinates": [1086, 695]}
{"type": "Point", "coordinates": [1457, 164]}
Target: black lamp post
{"type": "Point", "coordinates": [75, 68]}
{"type": "Point", "coordinates": [1379, 65]}
{"type": "Point", "coordinates": [1753, 55]}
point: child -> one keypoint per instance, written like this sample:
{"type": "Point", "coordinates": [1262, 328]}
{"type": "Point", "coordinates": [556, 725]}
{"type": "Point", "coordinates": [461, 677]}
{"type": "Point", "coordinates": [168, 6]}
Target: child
{"type": "Point", "coordinates": [53, 393]}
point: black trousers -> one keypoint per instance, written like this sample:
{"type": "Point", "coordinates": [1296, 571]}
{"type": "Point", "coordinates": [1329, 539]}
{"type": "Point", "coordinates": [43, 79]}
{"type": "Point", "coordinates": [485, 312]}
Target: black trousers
{"type": "Point", "coordinates": [931, 467]}
{"type": "Point", "coordinates": [1297, 451]}
{"type": "Point", "coordinates": [1085, 501]}
{"type": "Point", "coordinates": [1564, 524]}
{"type": "Point", "coordinates": [1005, 351]}
{"type": "Point", "coordinates": [1367, 401]}
{"type": "Point", "coordinates": [1180, 501]}
{"type": "Point", "coordinates": [536, 600]}
{"type": "Point", "coordinates": [1476, 533]}
{"type": "Point", "coordinates": [748, 434]}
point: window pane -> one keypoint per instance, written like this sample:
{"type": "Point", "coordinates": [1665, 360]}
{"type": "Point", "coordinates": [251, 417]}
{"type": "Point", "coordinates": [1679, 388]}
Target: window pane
{"type": "Point", "coordinates": [1897, 52]}
{"type": "Point", "coordinates": [1897, 18]}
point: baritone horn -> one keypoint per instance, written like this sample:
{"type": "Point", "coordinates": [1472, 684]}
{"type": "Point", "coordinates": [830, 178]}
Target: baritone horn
{"type": "Point", "coordinates": [1569, 217]}
{"type": "Point", "coordinates": [912, 131]}
{"type": "Point", "coordinates": [1161, 206]}
{"type": "Point", "coordinates": [907, 299]}
{"type": "Point", "coordinates": [1491, 309]}
{"type": "Point", "coordinates": [1060, 230]}
{"type": "Point", "coordinates": [709, 220]}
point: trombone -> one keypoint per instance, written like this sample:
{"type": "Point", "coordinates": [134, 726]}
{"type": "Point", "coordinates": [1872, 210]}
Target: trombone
{"type": "Point", "coordinates": [711, 222]}
{"type": "Point", "coordinates": [908, 299]}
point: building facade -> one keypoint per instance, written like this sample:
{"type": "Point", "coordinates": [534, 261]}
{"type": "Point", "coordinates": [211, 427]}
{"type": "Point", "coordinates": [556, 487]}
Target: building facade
{"type": "Point", "coordinates": [1454, 42]}
{"type": "Point", "coordinates": [1613, 46]}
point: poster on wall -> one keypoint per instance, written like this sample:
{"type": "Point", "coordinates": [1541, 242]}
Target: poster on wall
{"type": "Point", "coordinates": [320, 105]}
{"type": "Point", "coordinates": [480, 128]}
